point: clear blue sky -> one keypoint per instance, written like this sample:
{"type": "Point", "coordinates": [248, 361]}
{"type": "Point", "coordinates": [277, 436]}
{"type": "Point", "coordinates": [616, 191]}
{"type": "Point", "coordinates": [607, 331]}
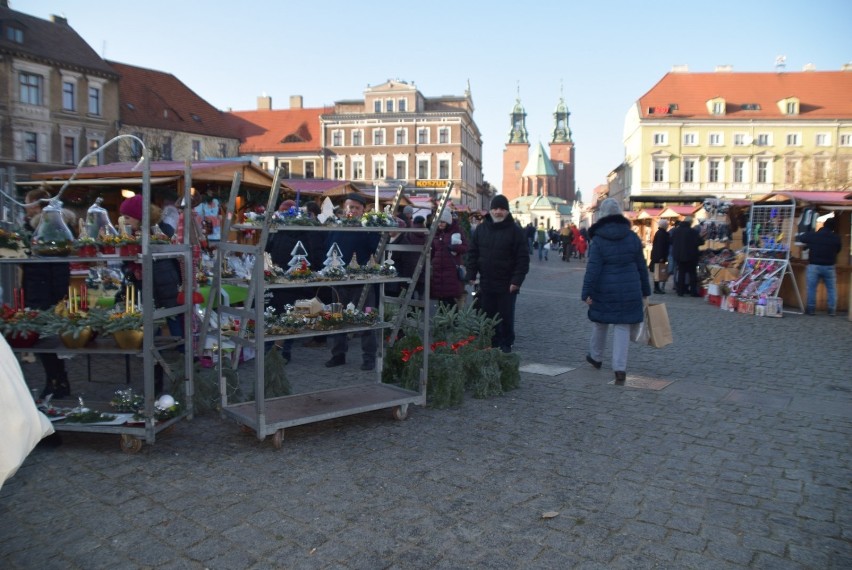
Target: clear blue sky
{"type": "Point", "coordinates": [604, 54]}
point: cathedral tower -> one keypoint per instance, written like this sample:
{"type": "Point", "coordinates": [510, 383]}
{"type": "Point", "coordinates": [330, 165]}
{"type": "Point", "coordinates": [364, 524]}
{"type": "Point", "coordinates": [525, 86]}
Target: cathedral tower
{"type": "Point", "coordinates": [516, 153]}
{"type": "Point", "coordinates": [562, 153]}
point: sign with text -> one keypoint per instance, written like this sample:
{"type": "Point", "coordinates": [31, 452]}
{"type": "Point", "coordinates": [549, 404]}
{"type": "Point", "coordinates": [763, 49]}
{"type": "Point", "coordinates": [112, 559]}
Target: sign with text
{"type": "Point", "coordinates": [431, 183]}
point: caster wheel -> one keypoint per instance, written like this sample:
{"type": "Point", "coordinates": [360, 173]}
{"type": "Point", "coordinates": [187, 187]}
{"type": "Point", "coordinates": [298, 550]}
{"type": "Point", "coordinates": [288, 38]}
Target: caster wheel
{"type": "Point", "coordinates": [400, 413]}
{"type": "Point", "coordinates": [130, 444]}
{"type": "Point", "coordinates": [278, 439]}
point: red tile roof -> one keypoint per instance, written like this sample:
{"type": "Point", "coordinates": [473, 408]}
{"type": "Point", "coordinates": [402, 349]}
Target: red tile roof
{"type": "Point", "coordinates": [822, 95]}
{"type": "Point", "coordinates": [159, 100]}
{"type": "Point", "coordinates": [279, 130]}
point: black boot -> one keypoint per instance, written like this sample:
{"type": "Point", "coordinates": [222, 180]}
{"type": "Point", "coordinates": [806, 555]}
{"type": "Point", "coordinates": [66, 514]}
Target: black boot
{"type": "Point", "coordinates": [63, 388]}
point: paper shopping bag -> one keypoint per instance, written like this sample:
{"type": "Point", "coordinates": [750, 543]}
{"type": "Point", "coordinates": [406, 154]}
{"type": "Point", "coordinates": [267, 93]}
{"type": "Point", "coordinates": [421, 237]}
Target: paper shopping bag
{"type": "Point", "coordinates": [658, 325]}
{"type": "Point", "coordinates": [661, 272]}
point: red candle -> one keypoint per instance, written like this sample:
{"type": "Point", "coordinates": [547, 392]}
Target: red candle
{"type": "Point", "coordinates": [15, 299]}
{"type": "Point", "coordinates": [23, 303]}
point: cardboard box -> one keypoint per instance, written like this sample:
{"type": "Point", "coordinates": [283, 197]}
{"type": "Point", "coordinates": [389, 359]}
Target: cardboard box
{"type": "Point", "coordinates": [724, 274]}
{"type": "Point", "coordinates": [715, 300]}
{"type": "Point", "coordinates": [774, 307]}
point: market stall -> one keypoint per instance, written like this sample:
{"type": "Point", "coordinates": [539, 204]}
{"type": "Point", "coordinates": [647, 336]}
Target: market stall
{"type": "Point", "coordinates": [823, 203]}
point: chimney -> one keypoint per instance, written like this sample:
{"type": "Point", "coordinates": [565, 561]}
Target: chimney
{"type": "Point", "coordinates": [295, 101]}
{"type": "Point", "coordinates": [264, 103]}
{"type": "Point", "coordinates": [681, 68]}
{"type": "Point", "coordinates": [846, 67]}
{"type": "Point", "coordinates": [724, 68]}
{"type": "Point", "coordinates": [58, 20]}
{"type": "Point", "coordinates": [809, 67]}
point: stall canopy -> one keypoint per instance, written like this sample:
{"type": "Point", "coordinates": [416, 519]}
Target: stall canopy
{"type": "Point", "coordinates": [832, 200]}
{"type": "Point", "coordinates": [162, 172]}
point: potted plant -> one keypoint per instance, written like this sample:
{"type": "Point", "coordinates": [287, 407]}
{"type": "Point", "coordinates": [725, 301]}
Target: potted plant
{"type": "Point", "coordinates": [11, 245]}
{"type": "Point", "coordinates": [74, 326]}
{"type": "Point", "coordinates": [125, 326]}
{"type": "Point", "coordinates": [20, 326]}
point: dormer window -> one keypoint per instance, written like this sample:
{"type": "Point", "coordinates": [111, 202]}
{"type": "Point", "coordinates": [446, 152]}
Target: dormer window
{"type": "Point", "coordinates": [751, 107]}
{"type": "Point", "coordinates": [789, 106]}
{"type": "Point", "coordinates": [14, 34]}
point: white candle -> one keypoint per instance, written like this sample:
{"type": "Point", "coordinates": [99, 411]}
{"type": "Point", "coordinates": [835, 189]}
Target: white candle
{"type": "Point", "coordinates": [376, 207]}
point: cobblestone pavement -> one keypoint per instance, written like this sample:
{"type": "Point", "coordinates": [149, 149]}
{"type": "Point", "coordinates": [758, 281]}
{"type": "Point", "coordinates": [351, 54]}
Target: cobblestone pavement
{"type": "Point", "coordinates": [728, 449]}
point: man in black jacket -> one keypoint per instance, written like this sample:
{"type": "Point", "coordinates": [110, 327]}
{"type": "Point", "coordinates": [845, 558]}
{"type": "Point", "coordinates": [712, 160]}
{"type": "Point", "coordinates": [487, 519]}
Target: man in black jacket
{"type": "Point", "coordinates": [685, 243]}
{"type": "Point", "coordinates": [498, 254]}
{"type": "Point", "coordinates": [823, 245]}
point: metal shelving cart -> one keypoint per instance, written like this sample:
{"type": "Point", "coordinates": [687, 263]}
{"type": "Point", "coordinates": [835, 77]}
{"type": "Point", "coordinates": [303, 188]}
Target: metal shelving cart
{"type": "Point", "coordinates": [132, 435]}
{"type": "Point", "coordinates": [270, 416]}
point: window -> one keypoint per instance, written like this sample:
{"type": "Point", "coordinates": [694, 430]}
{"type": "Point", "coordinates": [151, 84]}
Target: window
{"type": "Point", "coordinates": [69, 89]}
{"type": "Point", "coordinates": [660, 139]}
{"type": "Point", "coordinates": [401, 106]}
{"type": "Point", "coordinates": [823, 139]}
{"type": "Point", "coordinates": [845, 140]}
{"type": "Point", "coordinates": [358, 169]}
{"type": "Point", "coordinates": [389, 105]}
{"type": "Point", "coordinates": [14, 34]}
{"type": "Point", "coordinates": [820, 169]}
{"type": "Point", "coordinates": [659, 170]}
{"type": "Point", "coordinates": [713, 170]}
{"type": "Point", "coordinates": [517, 165]}
{"type": "Point", "coordinates": [223, 150]}
{"type": "Point", "coordinates": [444, 169]}
{"type": "Point", "coordinates": [793, 139]}
{"type": "Point", "coordinates": [718, 108]}
{"type": "Point", "coordinates": [688, 170]}
{"type": "Point", "coordinates": [166, 148]}
{"type": "Point", "coordinates": [791, 171]}
{"type": "Point", "coordinates": [30, 146]}
{"type": "Point", "coordinates": [136, 147]}
{"type": "Point", "coordinates": [739, 171]}
{"type": "Point", "coordinates": [337, 170]}
{"type": "Point", "coordinates": [762, 171]}
{"type": "Point", "coordinates": [401, 169]}
{"type": "Point", "coordinates": [763, 139]}
{"type": "Point", "coordinates": [95, 101]}
{"type": "Point", "coordinates": [715, 139]}
{"type": "Point", "coordinates": [379, 137]}
{"type": "Point", "coordinates": [309, 169]}
{"type": "Point", "coordinates": [196, 150]}
{"type": "Point", "coordinates": [377, 106]}
{"type": "Point", "coordinates": [423, 169]}
{"type": "Point", "coordinates": [31, 88]}
{"type": "Point", "coordinates": [739, 139]}
{"type": "Point", "coordinates": [337, 138]}
{"type": "Point", "coordinates": [284, 165]}
{"type": "Point", "coordinates": [69, 156]}
{"type": "Point", "coordinates": [357, 138]}
{"type": "Point", "coordinates": [791, 107]}
{"type": "Point", "coordinates": [444, 135]}
{"type": "Point", "coordinates": [378, 169]}
{"type": "Point", "coordinates": [689, 139]}
{"type": "Point", "coordinates": [96, 159]}
{"type": "Point", "coordinates": [423, 136]}
{"type": "Point", "coordinates": [400, 136]}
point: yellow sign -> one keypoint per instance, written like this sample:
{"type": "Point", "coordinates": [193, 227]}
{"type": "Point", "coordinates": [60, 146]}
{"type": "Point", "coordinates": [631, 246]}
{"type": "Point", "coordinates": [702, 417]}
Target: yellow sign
{"type": "Point", "coordinates": [431, 183]}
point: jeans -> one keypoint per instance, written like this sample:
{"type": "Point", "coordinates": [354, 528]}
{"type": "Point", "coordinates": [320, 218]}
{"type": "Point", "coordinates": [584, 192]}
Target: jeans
{"type": "Point", "coordinates": [620, 344]}
{"type": "Point", "coordinates": [829, 277]}
{"type": "Point", "coordinates": [541, 251]}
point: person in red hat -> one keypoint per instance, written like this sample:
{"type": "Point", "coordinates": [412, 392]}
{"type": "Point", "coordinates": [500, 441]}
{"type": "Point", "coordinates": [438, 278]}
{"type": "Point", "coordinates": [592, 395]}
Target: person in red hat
{"type": "Point", "coordinates": [167, 274]}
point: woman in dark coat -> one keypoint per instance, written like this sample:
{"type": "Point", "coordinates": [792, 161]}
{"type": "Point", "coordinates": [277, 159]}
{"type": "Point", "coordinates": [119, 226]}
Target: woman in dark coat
{"type": "Point", "coordinates": [615, 287]}
{"type": "Point", "coordinates": [45, 284]}
{"type": "Point", "coordinates": [660, 252]}
{"type": "Point", "coordinates": [448, 248]}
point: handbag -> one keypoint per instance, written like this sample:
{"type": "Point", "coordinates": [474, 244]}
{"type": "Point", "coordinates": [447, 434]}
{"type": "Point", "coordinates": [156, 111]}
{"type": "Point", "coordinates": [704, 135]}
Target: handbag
{"type": "Point", "coordinates": [659, 329]}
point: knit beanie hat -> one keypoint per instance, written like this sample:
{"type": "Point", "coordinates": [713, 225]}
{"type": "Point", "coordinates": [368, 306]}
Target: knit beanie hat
{"type": "Point", "coordinates": [499, 201]}
{"type": "Point", "coordinates": [447, 216]}
{"type": "Point", "coordinates": [132, 207]}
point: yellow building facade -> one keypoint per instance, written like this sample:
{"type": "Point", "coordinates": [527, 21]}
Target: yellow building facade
{"type": "Point", "coordinates": [730, 135]}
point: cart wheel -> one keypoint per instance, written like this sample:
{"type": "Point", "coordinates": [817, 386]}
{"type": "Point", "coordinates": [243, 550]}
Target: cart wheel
{"type": "Point", "coordinates": [130, 444]}
{"type": "Point", "coordinates": [400, 412]}
{"type": "Point", "coordinates": [278, 438]}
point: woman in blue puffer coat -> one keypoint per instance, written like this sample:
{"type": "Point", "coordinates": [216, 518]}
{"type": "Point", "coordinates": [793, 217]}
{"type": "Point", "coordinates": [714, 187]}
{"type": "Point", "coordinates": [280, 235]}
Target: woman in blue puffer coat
{"type": "Point", "coordinates": [615, 287]}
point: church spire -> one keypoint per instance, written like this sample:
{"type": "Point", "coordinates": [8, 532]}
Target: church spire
{"type": "Point", "coordinates": [561, 130]}
{"type": "Point", "coordinates": [518, 134]}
